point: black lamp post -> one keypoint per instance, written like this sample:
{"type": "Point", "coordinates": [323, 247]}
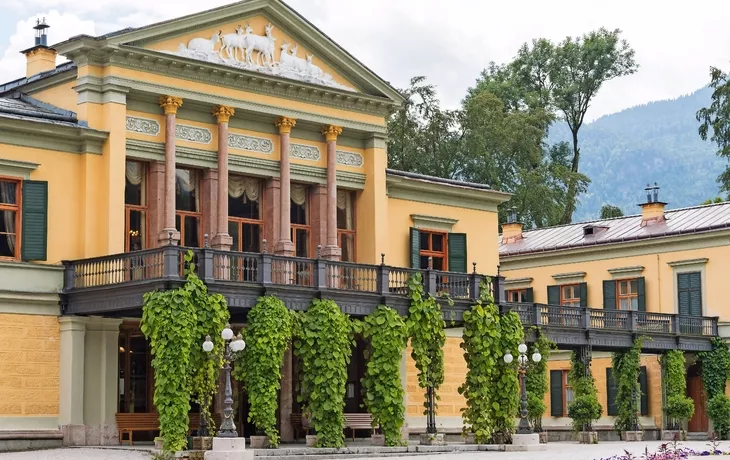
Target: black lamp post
{"type": "Point", "coordinates": [233, 345]}
{"type": "Point", "coordinates": [522, 360]}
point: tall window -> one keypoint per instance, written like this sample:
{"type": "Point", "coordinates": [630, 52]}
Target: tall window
{"type": "Point", "coordinates": [187, 206]}
{"type": "Point", "coordinates": [9, 218]}
{"type": "Point", "coordinates": [516, 295]}
{"type": "Point", "coordinates": [301, 229]}
{"type": "Point", "coordinates": [433, 244]}
{"type": "Point", "coordinates": [570, 295]}
{"type": "Point", "coordinates": [245, 213]}
{"type": "Point", "coordinates": [135, 372]}
{"type": "Point", "coordinates": [568, 393]}
{"type": "Point", "coordinates": [689, 291]}
{"type": "Point", "coordinates": [135, 206]}
{"type": "Point", "coordinates": [346, 224]}
{"type": "Point", "coordinates": [628, 295]}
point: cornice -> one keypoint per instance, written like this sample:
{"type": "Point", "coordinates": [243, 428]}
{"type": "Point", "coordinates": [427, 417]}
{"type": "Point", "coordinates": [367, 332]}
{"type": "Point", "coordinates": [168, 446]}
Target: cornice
{"type": "Point", "coordinates": [17, 168]}
{"type": "Point", "coordinates": [51, 136]}
{"type": "Point", "coordinates": [444, 194]}
{"type": "Point", "coordinates": [687, 262]}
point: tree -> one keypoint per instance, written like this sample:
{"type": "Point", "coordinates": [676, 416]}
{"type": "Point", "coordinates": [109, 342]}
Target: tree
{"type": "Point", "coordinates": [717, 199]}
{"type": "Point", "coordinates": [566, 77]}
{"type": "Point", "coordinates": [716, 117]}
{"type": "Point", "coordinates": [609, 211]}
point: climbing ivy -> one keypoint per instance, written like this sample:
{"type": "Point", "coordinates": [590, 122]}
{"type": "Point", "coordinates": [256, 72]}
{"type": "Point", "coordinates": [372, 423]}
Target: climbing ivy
{"type": "Point", "coordinates": [536, 381]}
{"type": "Point", "coordinates": [585, 408]}
{"type": "Point", "coordinates": [324, 344]}
{"type": "Point", "coordinates": [382, 389]}
{"type": "Point", "coordinates": [715, 368]}
{"type": "Point", "coordinates": [425, 325]}
{"type": "Point", "coordinates": [505, 383]}
{"type": "Point", "coordinates": [267, 335]}
{"type": "Point", "coordinates": [718, 409]}
{"type": "Point", "coordinates": [678, 407]}
{"type": "Point", "coordinates": [169, 322]}
{"type": "Point", "coordinates": [626, 366]}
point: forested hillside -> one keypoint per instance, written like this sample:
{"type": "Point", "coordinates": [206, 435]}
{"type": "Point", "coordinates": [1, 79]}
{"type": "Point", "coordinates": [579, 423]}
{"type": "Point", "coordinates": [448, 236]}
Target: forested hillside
{"type": "Point", "coordinates": [658, 141]}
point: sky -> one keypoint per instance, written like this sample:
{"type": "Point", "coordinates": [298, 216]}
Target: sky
{"type": "Point", "coordinates": [449, 42]}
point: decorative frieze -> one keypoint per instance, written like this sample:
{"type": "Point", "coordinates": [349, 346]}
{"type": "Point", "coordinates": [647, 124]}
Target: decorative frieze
{"type": "Point", "coordinates": [143, 126]}
{"type": "Point", "coordinates": [305, 152]}
{"type": "Point", "coordinates": [250, 143]}
{"type": "Point", "coordinates": [193, 134]}
{"type": "Point", "coordinates": [349, 159]}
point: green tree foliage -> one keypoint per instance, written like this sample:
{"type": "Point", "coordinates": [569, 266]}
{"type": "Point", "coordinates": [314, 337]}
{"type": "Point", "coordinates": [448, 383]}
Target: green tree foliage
{"type": "Point", "coordinates": [585, 408]}
{"type": "Point", "coordinates": [383, 393]}
{"type": "Point", "coordinates": [505, 382]}
{"type": "Point", "coordinates": [323, 342]}
{"type": "Point", "coordinates": [267, 335]}
{"type": "Point", "coordinates": [609, 211]}
{"type": "Point", "coordinates": [718, 409]}
{"type": "Point", "coordinates": [626, 366]}
{"type": "Point", "coordinates": [536, 381]}
{"type": "Point", "coordinates": [715, 368]}
{"type": "Point", "coordinates": [679, 407]}
{"type": "Point", "coordinates": [717, 199]}
{"type": "Point", "coordinates": [715, 121]}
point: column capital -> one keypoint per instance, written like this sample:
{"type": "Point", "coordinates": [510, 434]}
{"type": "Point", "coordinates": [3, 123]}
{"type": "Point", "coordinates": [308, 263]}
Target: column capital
{"type": "Point", "coordinates": [223, 113]}
{"type": "Point", "coordinates": [330, 132]}
{"type": "Point", "coordinates": [170, 104]}
{"type": "Point", "coordinates": [285, 124]}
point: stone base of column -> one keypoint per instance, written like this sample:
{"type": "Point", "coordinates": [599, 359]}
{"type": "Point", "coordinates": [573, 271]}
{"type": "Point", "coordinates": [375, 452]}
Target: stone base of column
{"type": "Point", "coordinates": [332, 253]}
{"type": "Point", "coordinates": [74, 435]}
{"type": "Point", "coordinates": [102, 435]}
{"type": "Point", "coordinates": [222, 241]}
{"type": "Point", "coordinates": [285, 248]}
{"type": "Point", "coordinates": [229, 449]}
{"type": "Point", "coordinates": [168, 236]}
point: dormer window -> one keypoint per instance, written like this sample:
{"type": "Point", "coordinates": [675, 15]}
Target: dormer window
{"type": "Point", "coordinates": [590, 230]}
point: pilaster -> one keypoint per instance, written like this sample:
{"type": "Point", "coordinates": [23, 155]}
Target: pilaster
{"type": "Point", "coordinates": [156, 200]}
{"type": "Point", "coordinates": [318, 215]}
{"type": "Point", "coordinates": [209, 188]}
{"type": "Point", "coordinates": [71, 381]}
{"type": "Point", "coordinates": [272, 201]}
{"type": "Point", "coordinates": [371, 209]}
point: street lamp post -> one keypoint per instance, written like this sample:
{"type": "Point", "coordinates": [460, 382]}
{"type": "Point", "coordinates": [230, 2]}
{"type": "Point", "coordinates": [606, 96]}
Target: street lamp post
{"type": "Point", "coordinates": [233, 345]}
{"type": "Point", "coordinates": [522, 360]}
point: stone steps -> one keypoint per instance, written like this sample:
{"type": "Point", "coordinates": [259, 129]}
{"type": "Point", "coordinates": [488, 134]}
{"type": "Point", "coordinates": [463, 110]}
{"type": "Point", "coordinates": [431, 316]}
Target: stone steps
{"type": "Point", "coordinates": [367, 451]}
{"type": "Point", "coordinates": [697, 436]}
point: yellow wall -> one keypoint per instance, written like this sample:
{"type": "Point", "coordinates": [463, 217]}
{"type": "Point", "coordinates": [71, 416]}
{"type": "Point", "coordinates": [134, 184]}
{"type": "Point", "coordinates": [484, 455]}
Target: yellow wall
{"type": "Point", "coordinates": [480, 228]}
{"type": "Point", "coordinates": [451, 401]}
{"type": "Point", "coordinates": [63, 96]}
{"type": "Point", "coordinates": [29, 360]}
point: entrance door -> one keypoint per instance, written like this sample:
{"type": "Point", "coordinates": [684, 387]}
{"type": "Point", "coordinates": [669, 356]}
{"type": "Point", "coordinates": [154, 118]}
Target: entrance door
{"type": "Point", "coordinates": [698, 423]}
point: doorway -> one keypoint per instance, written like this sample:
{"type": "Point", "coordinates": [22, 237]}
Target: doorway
{"type": "Point", "coordinates": [699, 422]}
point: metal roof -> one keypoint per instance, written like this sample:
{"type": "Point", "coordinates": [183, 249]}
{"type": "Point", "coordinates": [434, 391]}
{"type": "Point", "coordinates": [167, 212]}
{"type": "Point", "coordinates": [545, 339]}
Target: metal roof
{"type": "Point", "coordinates": [683, 221]}
{"type": "Point", "coordinates": [440, 180]}
{"type": "Point", "coordinates": [11, 85]}
{"type": "Point", "coordinates": [21, 107]}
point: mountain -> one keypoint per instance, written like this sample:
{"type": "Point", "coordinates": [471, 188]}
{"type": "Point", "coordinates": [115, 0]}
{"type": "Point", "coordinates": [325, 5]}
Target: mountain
{"type": "Point", "coordinates": [655, 142]}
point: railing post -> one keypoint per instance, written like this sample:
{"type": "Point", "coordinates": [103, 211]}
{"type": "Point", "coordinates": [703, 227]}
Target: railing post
{"type": "Point", "coordinates": [205, 262]}
{"type": "Point", "coordinates": [632, 320]}
{"type": "Point", "coordinates": [68, 275]}
{"type": "Point", "coordinates": [586, 318]}
{"type": "Point", "coordinates": [170, 262]}
{"type": "Point", "coordinates": [475, 281]}
{"type": "Point", "coordinates": [715, 331]}
{"type": "Point", "coordinates": [265, 273]}
{"type": "Point", "coordinates": [537, 314]}
{"type": "Point", "coordinates": [430, 280]}
{"type": "Point", "coordinates": [498, 289]}
{"type": "Point", "coordinates": [675, 323]}
{"type": "Point", "coordinates": [383, 282]}
{"type": "Point", "coordinates": [320, 271]}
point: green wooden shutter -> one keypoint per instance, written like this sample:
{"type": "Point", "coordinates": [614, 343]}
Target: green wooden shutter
{"type": "Point", "coordinates": [457, 252]}
{"type": "Point", "coordinates": [643, 384]}
{"type": "Point", "coordinates": [609, 295]}
{"type": "Point", "coordinates": [35, 220]}
{"type": "Point", "coordinates": [695, 295]}
{"type": "Point", "coordinates": [683, 293]}
{"type": "Point", "coordinates": [583, 294]}
{"type": "Point", "coordinates": [415, 248]}
{"type": "Point", "coordinates": [611, 391]}
{"type": "Point", "coordinates": [554, 295]}
{"type": "Point", "coordinates": [641, 289]}
{"type": "Point", "coordinates": [529, 296]}
{"type": "Point", "coordinates": [556, 393]}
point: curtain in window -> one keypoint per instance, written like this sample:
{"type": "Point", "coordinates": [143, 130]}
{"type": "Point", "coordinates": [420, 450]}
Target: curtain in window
{"type": "Point", "coordinates": [134, 172]}
{"type": "Point", "coordinates": [239, 186]}
{"type": "Point", "coordinates": [187, 180]}
{"type": "Point", "coordinates": [298, 194]}
{"type": "Point", "coordinates": [7, 195]}
{"type": "Point", "coordinates": [344, 202]}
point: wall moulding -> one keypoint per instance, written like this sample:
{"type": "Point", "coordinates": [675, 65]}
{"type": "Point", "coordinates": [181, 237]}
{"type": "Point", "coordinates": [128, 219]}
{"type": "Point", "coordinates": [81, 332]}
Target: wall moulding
{"type": "Point", "coordinates": [250, 143]}
{"type": "Point", "coordinates": [305, 152]}
{"type": "Point", "coordinates": [626, 272]}
{"type": "Point", "coordinates": [141, 125]}
{"type": "Point", "coordinates": [349, 159]}
{"type": "Point", "coordinates": [193, 134]}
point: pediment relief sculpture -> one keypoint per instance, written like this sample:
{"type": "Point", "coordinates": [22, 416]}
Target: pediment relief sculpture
{"type": "Point", "coordinates": [246, 50]}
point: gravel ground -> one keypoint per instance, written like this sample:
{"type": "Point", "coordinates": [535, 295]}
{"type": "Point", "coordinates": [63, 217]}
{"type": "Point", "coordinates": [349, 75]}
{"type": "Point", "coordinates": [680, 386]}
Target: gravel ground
{"type": "Point", "coordinates": [78, 454]}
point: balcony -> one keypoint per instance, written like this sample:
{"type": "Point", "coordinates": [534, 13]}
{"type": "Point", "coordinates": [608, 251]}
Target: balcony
{"type": "Point", "coordinates": [114, 285]}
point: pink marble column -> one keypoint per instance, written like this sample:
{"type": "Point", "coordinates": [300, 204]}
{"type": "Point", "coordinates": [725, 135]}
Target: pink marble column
{"type": "Point", "coordinates": [331, 251]}
{"type": "Point", "coordinates": [169, 234]}
{"type": "Point", "coordinates": [222, 239]}
{"type": "Point", "coordinates": [285, 246]}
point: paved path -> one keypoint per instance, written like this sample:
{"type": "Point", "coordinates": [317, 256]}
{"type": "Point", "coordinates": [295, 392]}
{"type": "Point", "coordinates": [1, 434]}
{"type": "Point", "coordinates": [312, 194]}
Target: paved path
{"type": "Point", "coordinates": [78, 454]}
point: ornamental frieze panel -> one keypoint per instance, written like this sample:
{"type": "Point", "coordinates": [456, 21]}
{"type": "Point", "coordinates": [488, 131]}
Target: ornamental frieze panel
{"type": "Point", "coordinates": [349, 159]}
{"type": "Point", "coordinates": [305, 152]}
{"type": "Point", "coordinates": [250, 143]}
{"type": "Point", "coordinates": [193, 134]}
{"type": "Point", "coordinates": [143, 126]}
{"type": "Point", "coordinates": [245, 49]}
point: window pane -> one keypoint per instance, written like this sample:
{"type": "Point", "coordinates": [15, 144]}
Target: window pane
{"type": "Point", "coordinates": [635, 303]}
{"type": "Point", "coordinates": [569, 396]}
{"type": "Point", "coordinates": [8, 192]}
{"type": "Point", "coordinates": [438, 263]}
{"type": "Point", "coordinates": [135, 183]}
{"type": "Point", "coordinates": [345, 210]}
{"type": "Point", "coordinates": [424, 262]}
{"type": "Point", "coordinates": [299, 204]}
{"type": "Point", "coordinates": [251, 238]}
{"type": "Point", "coordinates": [192, 235]}
{"type": "Point", "coordinates": [437, 242]}
{"type": "Point", "coordinates": [138, 374]}
{"type": "Point", "coordinates": [347, 243]}
{"type": "Point", "coordinates": [567, 292]}
{"type": "Point", "coordinates": [244, 197]}
{"type": "Point", "coordinates": [514, 296]}
{"type": "Point", "coordinates": [624, 304]}
{"type": "Point", "coordinates": [137, 230]}
{"type": "Point", "coordinates": [7, 233]}
{"type": "Point", "coordinates": [302, 242]}
{"type": "Point", "coordinates": [178, 219]}
{"type": "Point", "coordinates": [634, 286]}
{"type": "Point", "coordinates": [187, 190]}
{"type": "Point", "coordinates": [233, 231]}
{"type": "Point", "coordinates": [425, 243]}
{"type": "Point", "coordinates": [623, 287]}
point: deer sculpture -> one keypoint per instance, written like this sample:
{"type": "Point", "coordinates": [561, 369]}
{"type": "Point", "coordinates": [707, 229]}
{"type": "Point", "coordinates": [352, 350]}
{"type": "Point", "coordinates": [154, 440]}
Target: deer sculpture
{"type": "Point", "coordinates": [231, 43]}
{"type": "Point", "coordinates": [291, 61]}
{"type": "Point", "coordinates": [264, 45]}
{"type": "Point", "coordinates": [202, 45]}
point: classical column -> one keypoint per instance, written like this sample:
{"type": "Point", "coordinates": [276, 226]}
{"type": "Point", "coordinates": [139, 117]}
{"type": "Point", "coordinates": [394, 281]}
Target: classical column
{"type": "Point", "coordinates": [71, 380]}
{"type": "Point", "coordinates": [286, 397]}
{"type": "Point", "coordinates": [331, 251]}
{"type": "Point", "coordinates": [285, 246]}
{"type": "Point", "coordinates": [222, 239]}
{"type": "Point", "coordinates": [169, 234]}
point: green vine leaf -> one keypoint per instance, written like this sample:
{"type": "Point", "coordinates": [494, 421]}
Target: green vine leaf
{"type": "Point", "coordinates": [585, 408]}
{"type": "Point", "coordinates": [679, 407]}
{"type": "Point", "coordinates": [626, 367]}
{"type": "Point", "coordinates": [536, 381]}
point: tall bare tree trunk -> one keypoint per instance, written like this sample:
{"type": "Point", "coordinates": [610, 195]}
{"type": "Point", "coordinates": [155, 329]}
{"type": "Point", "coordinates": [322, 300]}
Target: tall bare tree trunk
{"type": "Point", "coordinates": [570, 200]}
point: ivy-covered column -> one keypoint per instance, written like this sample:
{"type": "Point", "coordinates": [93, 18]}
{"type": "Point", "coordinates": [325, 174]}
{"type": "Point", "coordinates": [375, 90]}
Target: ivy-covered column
{"type": "Point", "coordinates": [286, 397]}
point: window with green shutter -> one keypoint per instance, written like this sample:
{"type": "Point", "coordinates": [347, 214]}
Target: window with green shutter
{"type": "Point", "coordinates": [611, 392]}
{"type": "Point", "coordinates": [609, 294]}
{"type": "Point", "coordinates": [644, 385]}
{"type": "Point", "coordinates": [689, 291]}
{"type": "Point", "coordinates": [35, 220]}
{"type": "Point", "coordinates": [9, 218]}
{"type": "Point", "coordinates": [553, 294]}
{"type": "Point", "coordinates": [415, 248]}
{"type": "Point", "coordinates": [457, 252]}
{"type": "Point", "coordinates": [556, 393]}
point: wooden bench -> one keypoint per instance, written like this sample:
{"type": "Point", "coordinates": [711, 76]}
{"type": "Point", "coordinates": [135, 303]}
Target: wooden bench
{"type": "Point", "coordinates": [146, 421]}
{"type": "Point", "coordinates": [363, 421]}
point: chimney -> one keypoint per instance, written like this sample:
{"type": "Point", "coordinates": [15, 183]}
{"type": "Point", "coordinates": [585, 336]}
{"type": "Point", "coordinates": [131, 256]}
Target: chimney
{"type": "Point", "coordinates": [652, 212]}
{"type": "Point", "coordinates": [40, 58]}
{"type": "Point", "coordinates": [511, 230]}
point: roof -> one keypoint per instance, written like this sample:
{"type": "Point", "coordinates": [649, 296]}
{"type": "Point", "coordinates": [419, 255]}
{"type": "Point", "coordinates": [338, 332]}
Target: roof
{"type": "Point", "coordinates": [21, 107]}
{"type": "Point", "coordinates": [11, 85]}
{"type": "Point", "coordinates": [439, 180]}
{"type": "Point", "coordinates": [697, 219]}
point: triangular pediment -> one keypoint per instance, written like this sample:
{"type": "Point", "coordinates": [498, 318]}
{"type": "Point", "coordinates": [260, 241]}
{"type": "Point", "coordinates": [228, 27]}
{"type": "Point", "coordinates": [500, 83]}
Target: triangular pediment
{"type": "Point", "coordinates": [263, 36]}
